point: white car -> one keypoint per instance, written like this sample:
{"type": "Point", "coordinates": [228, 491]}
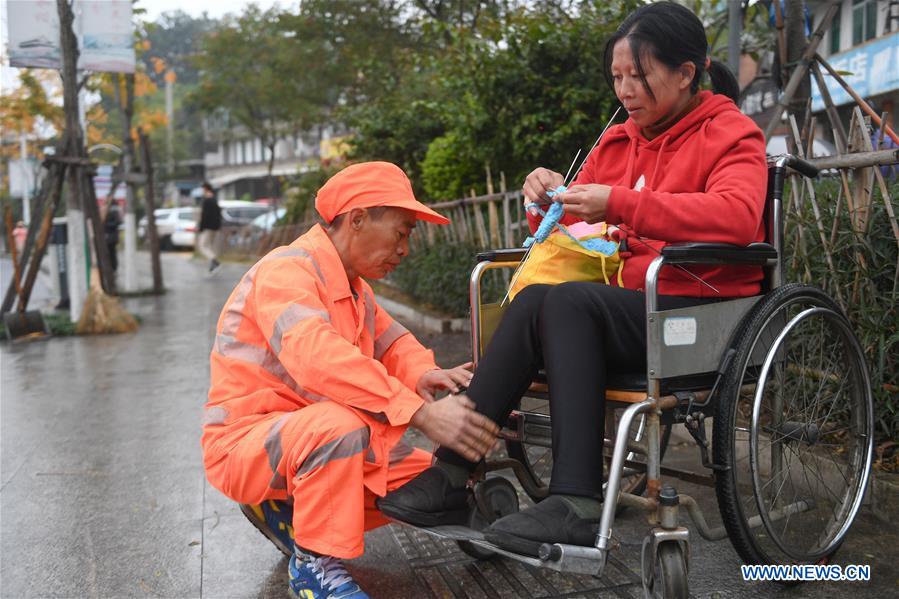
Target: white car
{"type": "Point", "coordinates": [269, 219]}
{"type": "Point", "coordinates": [236, 213]}
{"type": "Point", "coordinates": [175, 227]}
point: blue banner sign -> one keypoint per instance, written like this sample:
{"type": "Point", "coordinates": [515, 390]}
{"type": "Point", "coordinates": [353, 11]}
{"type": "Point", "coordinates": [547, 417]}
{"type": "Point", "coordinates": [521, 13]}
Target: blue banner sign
{"type": "Point", "coordinates": [873, 69]}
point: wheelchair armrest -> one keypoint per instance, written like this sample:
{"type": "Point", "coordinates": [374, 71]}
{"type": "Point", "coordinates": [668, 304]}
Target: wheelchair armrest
{"type": "Point", "coordinates": [719, 253]}
{"type": "Point", "coordinates": [503, 255]}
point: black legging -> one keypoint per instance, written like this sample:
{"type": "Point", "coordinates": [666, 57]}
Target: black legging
{"type": "Point", "coordinates": [575, 331]}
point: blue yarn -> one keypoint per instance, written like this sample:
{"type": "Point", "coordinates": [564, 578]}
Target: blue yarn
{"type": "Point", "coordinates": [551, 220]}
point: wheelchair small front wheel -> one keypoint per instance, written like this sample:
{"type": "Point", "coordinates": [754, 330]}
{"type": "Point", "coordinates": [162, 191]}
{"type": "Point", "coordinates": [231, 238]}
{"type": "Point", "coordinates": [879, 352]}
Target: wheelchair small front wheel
{"type": "Point", "coordinates": [665, 572]}
{"type": "Point", "coordinates": [793, 430]}
{"type": "Point", "coordinates": [498, 497]}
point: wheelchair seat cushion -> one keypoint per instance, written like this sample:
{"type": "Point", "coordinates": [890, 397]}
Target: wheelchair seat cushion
{"type": "Point", "coordinates": [636, 381]}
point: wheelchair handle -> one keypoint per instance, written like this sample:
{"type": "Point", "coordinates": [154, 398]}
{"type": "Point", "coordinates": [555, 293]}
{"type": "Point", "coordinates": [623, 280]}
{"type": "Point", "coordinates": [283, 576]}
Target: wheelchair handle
{"type": "Point", "coordinates": [797, 164]}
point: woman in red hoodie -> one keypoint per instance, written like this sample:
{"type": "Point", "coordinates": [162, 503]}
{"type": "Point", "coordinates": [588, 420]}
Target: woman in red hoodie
{"type": "Point", "coordinates": [687, 165]}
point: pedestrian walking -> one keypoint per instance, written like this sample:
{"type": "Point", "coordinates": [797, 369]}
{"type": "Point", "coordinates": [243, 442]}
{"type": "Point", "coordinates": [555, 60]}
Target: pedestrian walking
{"type": "Point", "coordinates": [111, 234]}
{"type": "Point", "coordinates": [19, 234]}
{"type": "Point", "coordinates": [210, 224]}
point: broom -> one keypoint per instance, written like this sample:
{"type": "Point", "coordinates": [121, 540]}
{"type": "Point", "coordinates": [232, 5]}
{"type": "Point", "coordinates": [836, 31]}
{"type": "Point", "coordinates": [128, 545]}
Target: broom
{"type": "Point", "coordinates": [103, 313]}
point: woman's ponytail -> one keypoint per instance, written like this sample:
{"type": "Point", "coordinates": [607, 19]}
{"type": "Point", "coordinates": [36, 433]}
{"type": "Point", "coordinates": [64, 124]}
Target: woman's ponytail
{"type": "Point", "coordinates": [723, 81]}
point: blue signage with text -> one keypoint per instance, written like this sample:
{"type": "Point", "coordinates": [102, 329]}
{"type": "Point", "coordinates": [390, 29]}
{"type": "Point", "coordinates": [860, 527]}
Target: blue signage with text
{"type": "Point", "coordinates": [872, 69]}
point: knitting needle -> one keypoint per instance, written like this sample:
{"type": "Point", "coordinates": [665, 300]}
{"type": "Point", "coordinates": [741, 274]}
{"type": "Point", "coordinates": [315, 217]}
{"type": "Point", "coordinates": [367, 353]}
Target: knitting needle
{"type": "Point", "coordinates": [566, 177]}
{"type": "Point", "coordinates": [528, 253]}
{"type": "Point", "coordinates": [572, 164]}
{"type": "Point", "coordinates": [595, 143]}
{"type": "Point", "coordinates": [517, 272]}
{"type": "Point", "coordinates": [680, 266]}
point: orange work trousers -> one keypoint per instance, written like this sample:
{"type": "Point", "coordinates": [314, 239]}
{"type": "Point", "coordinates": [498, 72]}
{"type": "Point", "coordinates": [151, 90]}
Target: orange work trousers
{"type": "Point", "coordinates": [319, 455]}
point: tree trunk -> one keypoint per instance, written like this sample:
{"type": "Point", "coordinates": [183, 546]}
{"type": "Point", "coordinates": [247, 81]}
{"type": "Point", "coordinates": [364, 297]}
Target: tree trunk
{"type": "Point", "coordinates": [79, 169]}
{"type": "Point", "coordinates": [150, 193]}
{"type": "Point", "coordinates": [129, 160]}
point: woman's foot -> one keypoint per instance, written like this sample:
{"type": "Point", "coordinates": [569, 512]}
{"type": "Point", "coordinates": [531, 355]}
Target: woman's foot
{"type": "Point", "coordinates": [436, 497]}
{"type": "Point", "coordinates": [565, 519]}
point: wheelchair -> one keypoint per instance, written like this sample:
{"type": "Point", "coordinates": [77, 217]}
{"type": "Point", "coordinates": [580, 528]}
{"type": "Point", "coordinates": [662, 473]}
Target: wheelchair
{"type": "Point", "coordinates": [781, 376]}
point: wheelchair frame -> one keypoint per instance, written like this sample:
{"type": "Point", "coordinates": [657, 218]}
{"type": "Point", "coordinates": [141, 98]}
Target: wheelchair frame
{"type": "Point", "coordinates": [666, 351]}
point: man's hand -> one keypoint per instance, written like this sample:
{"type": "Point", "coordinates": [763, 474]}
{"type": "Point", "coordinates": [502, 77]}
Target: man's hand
{"type": "Point", "coordinates": [538, 183]}
{"type": "Point", "coordinates": [449, 379]}
{"type": "Point", "coordinates": [587, 202]}
{"type": "Point", "coordinates": [453, 423]}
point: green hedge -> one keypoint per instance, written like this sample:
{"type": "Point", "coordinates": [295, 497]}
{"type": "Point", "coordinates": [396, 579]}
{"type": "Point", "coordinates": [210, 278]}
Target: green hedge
{"type": "Point", "coordinates": [438, 276]}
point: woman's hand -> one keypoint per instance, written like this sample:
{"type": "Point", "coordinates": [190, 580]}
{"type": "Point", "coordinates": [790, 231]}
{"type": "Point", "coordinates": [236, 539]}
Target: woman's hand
{"type": "Point", "coordinates": [450, 379]}
{"type": "Point", "coordinates": [587, 202]}
{"type": "Point", "coordinates": [538, 183]}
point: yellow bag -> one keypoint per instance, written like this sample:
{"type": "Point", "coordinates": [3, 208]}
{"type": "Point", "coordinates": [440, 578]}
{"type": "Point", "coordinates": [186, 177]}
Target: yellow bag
{"type": "Point", "coordinates": [560, 258]}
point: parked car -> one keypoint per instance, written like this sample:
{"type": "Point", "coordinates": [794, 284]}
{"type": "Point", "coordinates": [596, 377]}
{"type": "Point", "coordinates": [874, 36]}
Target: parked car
{"type": "Point", "coordinates": [266, 221]}
{"type": "Point", "coordinates": [175, 227]}
{"type": "Point", "coordinates": [236, 213]}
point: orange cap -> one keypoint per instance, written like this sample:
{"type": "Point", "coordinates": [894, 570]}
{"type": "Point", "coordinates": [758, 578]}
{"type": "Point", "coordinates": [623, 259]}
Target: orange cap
{"type": "Point", "coordinates": [369, 184]}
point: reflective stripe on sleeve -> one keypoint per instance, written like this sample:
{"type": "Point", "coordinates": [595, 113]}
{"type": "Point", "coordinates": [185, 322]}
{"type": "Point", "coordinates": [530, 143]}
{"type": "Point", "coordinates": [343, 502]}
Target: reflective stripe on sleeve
{"type": "Point", "coordinates": [262, 357]}
{"type": "Point", "coordinates": [234, 313]}
{"type": "Point", "coordinates": [214, 416]}
{"type": "Point", "coordinates": [289, 318]}
{"type": "Point", "coordinates": [387, 338]}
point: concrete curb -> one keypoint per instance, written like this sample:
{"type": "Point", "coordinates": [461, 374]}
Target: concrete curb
{"type": "Point", "coordinates": [421, 320]}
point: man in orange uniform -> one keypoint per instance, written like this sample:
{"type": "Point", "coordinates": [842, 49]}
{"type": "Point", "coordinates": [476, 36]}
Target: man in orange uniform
{"type": "Point", "coordinates": [313, 384]}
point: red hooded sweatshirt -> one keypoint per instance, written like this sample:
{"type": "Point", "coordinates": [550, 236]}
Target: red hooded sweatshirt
{"type": "Point", "coordinates": [702, 180]}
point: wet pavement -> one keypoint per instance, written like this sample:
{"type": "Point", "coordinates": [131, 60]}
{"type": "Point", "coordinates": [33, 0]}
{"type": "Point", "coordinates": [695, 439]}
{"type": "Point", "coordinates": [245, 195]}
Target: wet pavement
{"type": "Point", "coordinates": [102, 492]}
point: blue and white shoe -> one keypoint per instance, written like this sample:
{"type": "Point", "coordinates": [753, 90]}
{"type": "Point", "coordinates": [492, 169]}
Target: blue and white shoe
{"type": "Point", "coordinates": [273, 519]}
{"type": "Point", "coordinates": [321, 578]}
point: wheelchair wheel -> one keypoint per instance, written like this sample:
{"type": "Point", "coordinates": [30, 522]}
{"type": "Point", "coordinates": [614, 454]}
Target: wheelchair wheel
{"type": "Point", "coordinates": [665, 573]}
{"type": "Point", "coordinates": [499, 497]}
{"type": "Point", "coordinates": [538, 461]}
{"type": "Point", "coordinates": [794, 428]}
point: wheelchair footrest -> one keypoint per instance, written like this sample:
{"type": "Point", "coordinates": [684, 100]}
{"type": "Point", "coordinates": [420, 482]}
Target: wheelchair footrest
{"type": "Point", "coordinates": [562, 558]}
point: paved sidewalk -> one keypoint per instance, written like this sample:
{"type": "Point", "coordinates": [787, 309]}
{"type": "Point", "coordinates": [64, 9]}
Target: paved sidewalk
{"type": "Point", "coordinates": [102, 492]}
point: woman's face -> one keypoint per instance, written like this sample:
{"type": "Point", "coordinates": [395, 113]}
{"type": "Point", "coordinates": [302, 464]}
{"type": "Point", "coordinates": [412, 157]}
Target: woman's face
{"type": "Point", "coordinates": [671, 87]}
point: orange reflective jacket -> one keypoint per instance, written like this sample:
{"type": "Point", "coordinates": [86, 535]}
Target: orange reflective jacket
{"type": "Point", "coordinates": [295, 331]}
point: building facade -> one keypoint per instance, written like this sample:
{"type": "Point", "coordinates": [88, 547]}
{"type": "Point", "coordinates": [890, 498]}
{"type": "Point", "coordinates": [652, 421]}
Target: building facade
{"type": "Point", "coordinates": [237, 161]}
{"type": "Point", "coordinates": [863, 43]}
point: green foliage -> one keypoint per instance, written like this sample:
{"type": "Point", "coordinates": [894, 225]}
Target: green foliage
{"type": "Point", "coordinates": [255, 69]}
{"type": "Point", "coordinates": [59, 324]}
{"type": "Point", "coordinates": [175, 38]}
{"type": "Point", "coordinates": [438, 275]}
{"type": "Point", "coordinates": [448, 170]}
{"type": "Point", "coordinates": [300, 200]}
{"type": "Point", "coordinates": [522, 90]}
{"type": "Point", "coordinates": [864, 280]}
